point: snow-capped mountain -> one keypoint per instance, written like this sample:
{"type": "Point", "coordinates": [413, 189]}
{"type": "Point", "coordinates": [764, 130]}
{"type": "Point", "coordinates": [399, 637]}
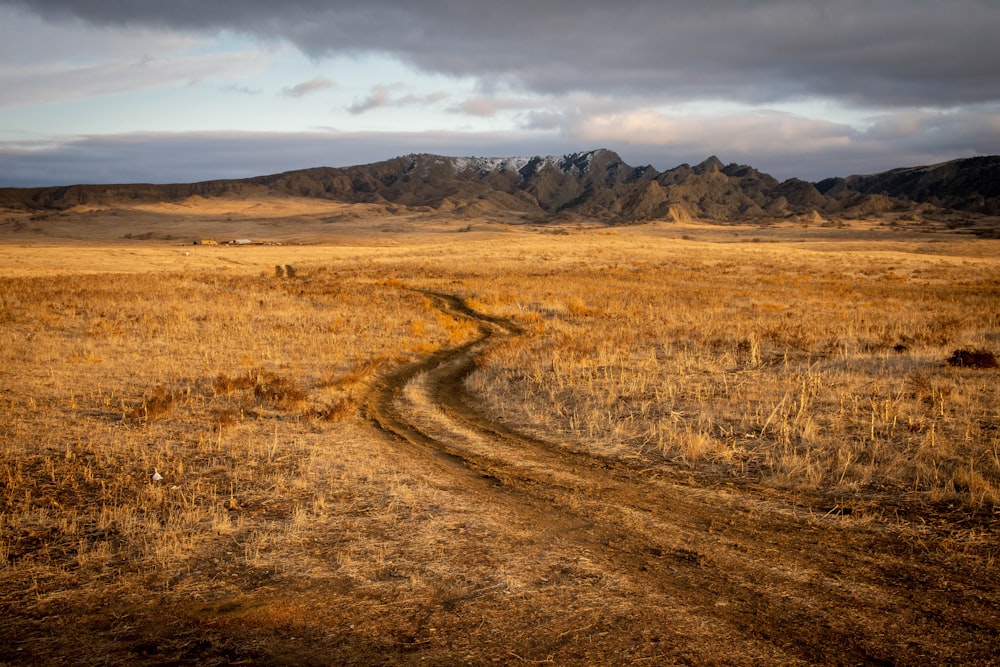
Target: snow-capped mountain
{"type": "Point", "coordinates": [595, 184]}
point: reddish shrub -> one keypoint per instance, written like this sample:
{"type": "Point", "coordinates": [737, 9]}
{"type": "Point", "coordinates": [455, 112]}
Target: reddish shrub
{"type": "Point", "coordinates": [973, 359]}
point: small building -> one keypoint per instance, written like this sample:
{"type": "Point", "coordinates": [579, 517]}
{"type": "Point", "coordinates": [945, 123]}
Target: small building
{"type": "Point", "coordinates": [206, 242]}
{"type": "Point", "coordinates": [242, 242]}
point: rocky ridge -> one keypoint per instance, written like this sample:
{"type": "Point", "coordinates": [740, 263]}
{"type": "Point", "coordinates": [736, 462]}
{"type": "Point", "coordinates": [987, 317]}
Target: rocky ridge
{"type": "Point", "coordinates": [595, 185]}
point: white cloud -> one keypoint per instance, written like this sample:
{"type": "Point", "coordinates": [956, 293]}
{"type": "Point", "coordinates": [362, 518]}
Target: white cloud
{"type": "Point", "coordinates": [542, 120]}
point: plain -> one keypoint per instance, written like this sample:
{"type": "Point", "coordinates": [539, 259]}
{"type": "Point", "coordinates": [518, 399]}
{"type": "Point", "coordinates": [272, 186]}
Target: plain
{"type": "Point", "coordinates": [394, 441]}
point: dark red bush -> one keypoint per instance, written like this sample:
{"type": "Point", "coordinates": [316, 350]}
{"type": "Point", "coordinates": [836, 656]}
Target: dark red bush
{"type": "Point", "coordinates": [973, 359]}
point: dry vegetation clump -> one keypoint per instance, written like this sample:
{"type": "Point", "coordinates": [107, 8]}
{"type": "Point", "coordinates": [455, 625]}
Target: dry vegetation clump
{"type": "Point", "coordinates": [973, 359]}
{"type": "Point", "coordinates": [770, 367]}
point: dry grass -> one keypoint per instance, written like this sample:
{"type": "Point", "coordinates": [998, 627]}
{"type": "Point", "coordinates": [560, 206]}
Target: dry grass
{"type": "Point", "coordinates": [818, 371]}
{"type": "Point", "coordinates": [221, 384]}
{"type": "Point", "coordinates": [802, 370]}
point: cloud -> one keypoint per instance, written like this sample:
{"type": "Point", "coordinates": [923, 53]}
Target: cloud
{"type": "Point", "coordinates": [484, 107]}
{"type": "Point", "coordinates": [237, 88]}
{"type": "Point", "coordinates": [738, 132]}
{"type": "Point", "coordinates": [908, 81]}
{"type": "Point", "coordinates": [488, 106]}
{"type": "Point", "coordinates": [967, 131]}
{"type": "Point", "coordinates": [542, 120]}
{"type": "Point", "coordinates": [313, 85]}
{"type": "Point", "coordinates": [381, 96]}
{"type": "Point", "coordinates": [788, 145]}
{"type": "Point", "coordinates": [42, 63]}
{"type": "Point", "coordinates": [56, 82]}
{"type": "Point", "coordinates": [26, 39]}
{"type": "Point", "coordinates": [876, 53]}
{"type": "Point", "coordinates": [378, 97]}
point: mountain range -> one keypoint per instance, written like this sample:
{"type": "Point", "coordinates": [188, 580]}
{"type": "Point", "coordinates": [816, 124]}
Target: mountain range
{"type": "Point", "coordinates": [594, 185]}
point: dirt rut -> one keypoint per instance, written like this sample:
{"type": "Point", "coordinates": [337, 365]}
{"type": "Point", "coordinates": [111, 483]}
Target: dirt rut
{"type": "Point", "coordinates": [776, 582]}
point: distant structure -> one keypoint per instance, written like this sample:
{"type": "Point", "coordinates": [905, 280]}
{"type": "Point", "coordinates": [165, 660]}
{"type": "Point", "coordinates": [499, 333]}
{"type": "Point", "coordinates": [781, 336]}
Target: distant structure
{"type": "Point", "coordinates": [229, 242]}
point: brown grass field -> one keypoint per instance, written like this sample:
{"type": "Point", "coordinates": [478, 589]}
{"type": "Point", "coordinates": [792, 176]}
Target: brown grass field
{"type": "Point", "coordinates": [472, 442]}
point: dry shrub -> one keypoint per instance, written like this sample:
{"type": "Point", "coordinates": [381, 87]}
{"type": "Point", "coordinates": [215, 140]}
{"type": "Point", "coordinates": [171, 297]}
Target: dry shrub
{"type": "Point", "coordinates": [275, 389]}
{"type": "Point", "coordinates": [337, 412]}
{"type": "Point", "coordinates": [224, 385]}
{"type": "Point", "coordinates": [357, 374]}
{"type": "Point", "coordinates": [973, 359]}
{"type": "Point", "coordinates": [158, 405]}
{"type": "Point", "coordinates": [223, 418]}
{"type": "Point", "coordinates": [268, 387]}
{"type": "Point", "coordinates": [576, 306]}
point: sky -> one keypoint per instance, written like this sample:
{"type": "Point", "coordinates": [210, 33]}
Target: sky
{"type": "Point", "coordinates": [119, 91]}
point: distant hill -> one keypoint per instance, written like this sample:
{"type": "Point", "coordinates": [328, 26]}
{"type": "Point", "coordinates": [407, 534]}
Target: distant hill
{"type": "Point", "coordinates": [595, 185]}
{"type": "Point", "coordinates": [971, 184]}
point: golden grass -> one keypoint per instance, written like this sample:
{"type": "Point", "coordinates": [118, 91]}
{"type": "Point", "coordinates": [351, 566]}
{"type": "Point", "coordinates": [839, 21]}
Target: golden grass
{"type": "Point", "coordinates": [817, 371]}
{"type": "Point", "coordinates": [798, 369]}
{"type": "Point", "coordinates": [218, 382]}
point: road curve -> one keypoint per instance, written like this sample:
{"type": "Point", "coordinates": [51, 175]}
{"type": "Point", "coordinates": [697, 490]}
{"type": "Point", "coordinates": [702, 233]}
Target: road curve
{"type": "Point", "coordinates": [773, 582]}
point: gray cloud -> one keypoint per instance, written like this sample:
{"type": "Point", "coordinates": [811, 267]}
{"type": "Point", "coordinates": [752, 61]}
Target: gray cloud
{"type": "Point", "coordinates": [313, 85]}
{"type": "Point", "coordinates": [26, 40]}
{"type": "Point", "coordinates": [381, 96]}
{"type": "Point", "coordinates": [542, 120]}
{"type": "Point", "coordinates": [879, 53]}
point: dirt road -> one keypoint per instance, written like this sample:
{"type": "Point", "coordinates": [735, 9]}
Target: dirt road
{"type": "Point", "coordinates": [433, 532]}
{"type": "Point", "coordinates": [719, 573]}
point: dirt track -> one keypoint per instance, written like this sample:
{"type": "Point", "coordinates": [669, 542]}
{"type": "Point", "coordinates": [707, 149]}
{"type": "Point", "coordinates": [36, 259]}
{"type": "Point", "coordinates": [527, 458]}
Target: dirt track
{"type": "Point", "coordinates": [726, 574]}
{"type": "Point", "coordinates": [445, 536]}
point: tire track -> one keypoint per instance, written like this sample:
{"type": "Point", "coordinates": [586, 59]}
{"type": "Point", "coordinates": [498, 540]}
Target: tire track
{"type": "Point", "coordinates": [775, 583]}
